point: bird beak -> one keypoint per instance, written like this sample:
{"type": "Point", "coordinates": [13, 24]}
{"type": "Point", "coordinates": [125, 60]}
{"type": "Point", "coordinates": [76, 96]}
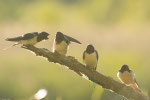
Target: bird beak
{"type": "Point", "coordinates": [47, 37]}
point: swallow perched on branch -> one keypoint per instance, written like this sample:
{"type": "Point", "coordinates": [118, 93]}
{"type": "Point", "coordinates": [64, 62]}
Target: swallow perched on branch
{"type": "Point", "coordinates": [90, 57]}
{"type": "Point", "coordinates": [61, 43]}
{"type": "Point", "coordinates": [29, 38]}
{"type": "Point", "coordinates": [127, 77]}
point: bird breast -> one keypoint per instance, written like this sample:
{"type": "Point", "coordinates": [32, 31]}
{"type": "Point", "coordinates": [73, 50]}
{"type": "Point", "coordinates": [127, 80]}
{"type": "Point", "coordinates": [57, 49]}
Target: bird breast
{"type": "Point", "coordinates": [61, 47]}
{"type": "Point", "coordinates": [32, 41]}
{"type": "Point", "coordinates": [90, 60]}
{"type": "Point", "coordinates": [126, 77]}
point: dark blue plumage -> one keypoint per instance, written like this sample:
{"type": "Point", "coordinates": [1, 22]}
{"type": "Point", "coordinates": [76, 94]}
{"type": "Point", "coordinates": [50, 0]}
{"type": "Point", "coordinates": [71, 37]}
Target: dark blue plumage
{"type": "Point", "coordinates": [61, 43]}
{"type": "Point", "coordinates": [30, 38]}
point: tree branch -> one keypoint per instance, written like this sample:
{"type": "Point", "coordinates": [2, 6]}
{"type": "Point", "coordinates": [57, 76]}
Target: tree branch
{"type": "Point", "coordinates": [104, 81]}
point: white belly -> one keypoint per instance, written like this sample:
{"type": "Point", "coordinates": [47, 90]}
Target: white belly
{"type": "Point", "coordinates": [32, 41]}
{"type": "Point", "coordinates": [61, 48]}
{"type": "Point", "coordinates": [90, 60]}
{"type": "Point", "coordinates": [126, 77]}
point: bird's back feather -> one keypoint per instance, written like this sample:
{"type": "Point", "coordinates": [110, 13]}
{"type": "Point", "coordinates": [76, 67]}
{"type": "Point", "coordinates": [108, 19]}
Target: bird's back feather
{"type": "Point", "coordinates": [27, 36]}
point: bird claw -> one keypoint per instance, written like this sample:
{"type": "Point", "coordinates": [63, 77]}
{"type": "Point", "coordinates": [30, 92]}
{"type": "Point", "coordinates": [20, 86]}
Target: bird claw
{"type": "Point", "coordinates": [92, 69]}
{"type": "Point", "coordinates": [89, 68]}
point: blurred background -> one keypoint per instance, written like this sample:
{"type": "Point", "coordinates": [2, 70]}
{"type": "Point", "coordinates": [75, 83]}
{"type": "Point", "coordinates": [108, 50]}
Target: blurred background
{"type": "Point", "coordinates": [119, 30]}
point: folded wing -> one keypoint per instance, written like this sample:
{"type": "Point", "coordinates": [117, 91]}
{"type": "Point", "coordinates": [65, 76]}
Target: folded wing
{"type": "Point", "coordinates": [72, 39]}
{"type": "Point", "coordinates": [24, 37]}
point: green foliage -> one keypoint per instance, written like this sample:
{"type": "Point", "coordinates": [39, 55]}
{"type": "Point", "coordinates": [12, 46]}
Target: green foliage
{"type": "Point", "coordinates": [22, 74]}
{"type": "Point", "coordinates": [96, 11]}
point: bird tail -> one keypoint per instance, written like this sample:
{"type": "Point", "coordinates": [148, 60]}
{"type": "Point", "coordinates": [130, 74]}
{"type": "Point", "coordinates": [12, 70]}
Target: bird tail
{"type": "Point", "coordinates": [16, 39]}
{"type": "Point", "coordinates": [135, 86]}
{"type": "Point", "coordinates": [11, 46]}
{"type": "Point", "coordinates": [72, 39]}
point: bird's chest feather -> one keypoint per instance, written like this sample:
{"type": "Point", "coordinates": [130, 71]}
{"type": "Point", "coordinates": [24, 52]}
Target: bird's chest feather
{"type": "Point", "coordinates": [61, 47]}
{"type": "Point", "coordinates": [126, 77]}
{"type": "Point", "coordinates": [90, 59]}
{"type": "Point", "coordinates": [30, 41]}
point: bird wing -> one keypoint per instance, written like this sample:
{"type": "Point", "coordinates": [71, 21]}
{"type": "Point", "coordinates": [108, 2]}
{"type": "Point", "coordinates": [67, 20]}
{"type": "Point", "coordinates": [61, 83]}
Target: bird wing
{"type": "Point", "coordinates": [29, 36]}
{"type": "Point", "coordinates": [84, 55]}
{"type": "Point", "coordinates": [133, 76]}
{"type": "Point", "coordinates": [71, 39]}
{"type": "Point", "coordinates": [24, 37]}
{"type": "Point", "coordinates": [96, 54]}
{"type": "Point", "coordinates": [136, 82]}
{"type": "Point", "coordinates": [67, 40]}
{"type": "Point", "coordinates": [97, 58]}
{"type": "Point", "coordinates": [135, 85]}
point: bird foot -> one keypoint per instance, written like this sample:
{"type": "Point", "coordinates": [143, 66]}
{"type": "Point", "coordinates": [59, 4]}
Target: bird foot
{"type": "Point", "coordinates": [89, 68]}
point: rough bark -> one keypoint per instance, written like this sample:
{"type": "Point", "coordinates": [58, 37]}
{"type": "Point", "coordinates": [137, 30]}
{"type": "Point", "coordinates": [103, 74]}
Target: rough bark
{"type": "Point", "coordinates": [102, 80]}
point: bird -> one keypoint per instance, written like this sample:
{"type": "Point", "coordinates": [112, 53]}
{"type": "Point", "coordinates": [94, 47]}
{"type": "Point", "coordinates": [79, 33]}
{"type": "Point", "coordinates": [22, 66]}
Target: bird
{"type": "Point", "coordinates": [127, 77]}
{"type": "Point", "coordinates": [90, 57]}
{"type": "Point", "coordinates": [29, 38]}
{"type": "Point", "coordinates": [61, 43]}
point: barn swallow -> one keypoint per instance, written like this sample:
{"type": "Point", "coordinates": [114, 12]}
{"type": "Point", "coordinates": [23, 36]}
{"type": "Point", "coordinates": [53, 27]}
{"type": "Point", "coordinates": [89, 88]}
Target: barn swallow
{"type": "Point", "coordinates": [90, 57]}
{"type": "Point", "coordinates": [61, 43]}
{"type": "Point", "coordinates": [29, 38]}
{"type": "Point", "coordinates": [127, 77]}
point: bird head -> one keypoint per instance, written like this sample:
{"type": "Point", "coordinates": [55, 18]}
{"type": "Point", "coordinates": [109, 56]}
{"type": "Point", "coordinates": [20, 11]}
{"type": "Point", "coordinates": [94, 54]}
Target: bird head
{"type": "Point", "coordinates": [124, 68]}
{"type": "Point", "coordinates": [43, 36]}
{"type": "Point", "coordinates": [59, 35]}
{"type": "Point", "coordinates": [90, 48]}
